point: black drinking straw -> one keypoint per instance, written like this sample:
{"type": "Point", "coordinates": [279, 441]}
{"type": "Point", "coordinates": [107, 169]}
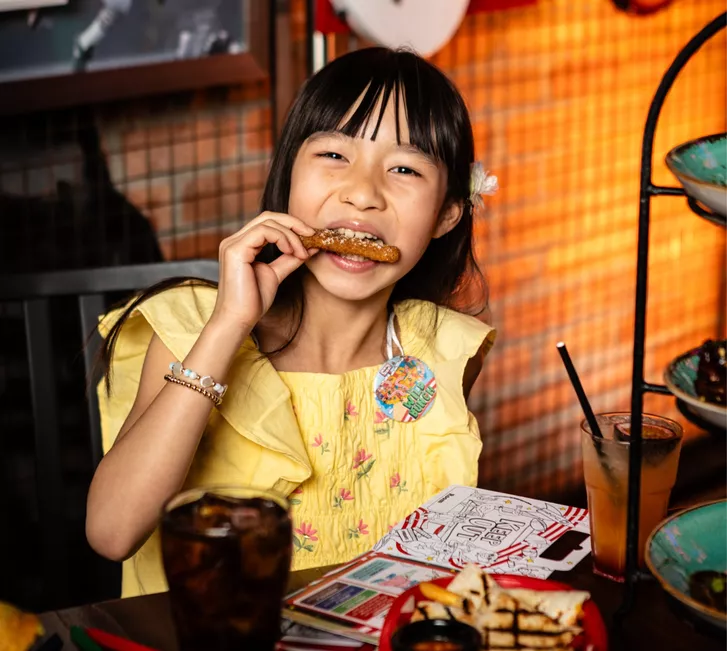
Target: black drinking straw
{"type": "Point", "coordinates": [578, 387]}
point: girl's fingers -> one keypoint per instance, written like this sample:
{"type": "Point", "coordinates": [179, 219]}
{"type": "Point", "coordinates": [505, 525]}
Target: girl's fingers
{"type": "Point", "coordinates": [301, 228]}
{"type": "Point", "coordinates": [270, 232]}
{"type": "Point", "coordinates": [294, 227]}
{"type": "Point", "coordinates": [299, 250]}
{"type": "Point", "coordinates": [254, 241]}
{"type": "Point", "coordinates": [293, 223]}
{"type": "Point", "coordinates": [284, 266]}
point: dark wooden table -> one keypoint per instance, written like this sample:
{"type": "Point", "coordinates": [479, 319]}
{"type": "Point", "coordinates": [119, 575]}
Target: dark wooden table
{"type": "Point", "coordinates": [653, 623]}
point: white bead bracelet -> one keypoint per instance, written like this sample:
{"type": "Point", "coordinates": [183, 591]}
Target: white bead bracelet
{"type": "Point", "coordinates": [205, 381]}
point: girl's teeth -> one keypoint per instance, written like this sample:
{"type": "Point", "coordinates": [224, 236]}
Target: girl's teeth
{"type": "Point", "coordinates": [358, 235]}
{"type": "Point", "coordinates": [354, 258]}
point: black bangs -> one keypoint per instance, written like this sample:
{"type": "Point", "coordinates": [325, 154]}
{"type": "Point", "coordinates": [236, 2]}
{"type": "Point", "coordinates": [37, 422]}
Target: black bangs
{"type": "Point", "coordinates": [388, 76]}
{"type": "Point", "coordinates": [366, 79]}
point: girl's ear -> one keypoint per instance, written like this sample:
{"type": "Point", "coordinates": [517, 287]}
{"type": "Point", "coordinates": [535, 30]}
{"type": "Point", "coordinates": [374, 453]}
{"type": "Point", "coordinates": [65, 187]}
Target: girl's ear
{"type": "Point", "coordinates": [449, 218]}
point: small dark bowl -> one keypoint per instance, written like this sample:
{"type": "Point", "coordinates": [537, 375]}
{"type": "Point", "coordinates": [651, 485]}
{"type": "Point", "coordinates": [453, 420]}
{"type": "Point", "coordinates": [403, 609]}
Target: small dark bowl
{"type": "Point", "coordinates": [436, 630]}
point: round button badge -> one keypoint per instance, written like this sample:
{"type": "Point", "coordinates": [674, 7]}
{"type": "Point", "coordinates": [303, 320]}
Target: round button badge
{"type": "Point", "coordinates": [405, 388]}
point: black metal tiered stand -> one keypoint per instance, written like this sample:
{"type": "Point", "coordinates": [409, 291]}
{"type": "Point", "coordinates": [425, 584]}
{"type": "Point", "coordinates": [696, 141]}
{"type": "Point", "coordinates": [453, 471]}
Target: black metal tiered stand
{"type": "Point", "coordinates": [639, 385]}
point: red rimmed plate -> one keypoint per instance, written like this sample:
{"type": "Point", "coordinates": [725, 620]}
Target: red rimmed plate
{"type": "Point", "coordinates": [593, 638]}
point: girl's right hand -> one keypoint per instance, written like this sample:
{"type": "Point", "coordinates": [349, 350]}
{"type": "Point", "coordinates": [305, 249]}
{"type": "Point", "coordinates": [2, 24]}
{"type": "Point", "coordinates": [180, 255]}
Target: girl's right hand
{"type": "Point", "coordinates": [247, 288]}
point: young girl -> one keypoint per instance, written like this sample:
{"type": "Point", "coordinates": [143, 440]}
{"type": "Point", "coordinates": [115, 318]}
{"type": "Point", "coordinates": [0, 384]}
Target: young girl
{"type": "Point", "coordinates": [379, 145]}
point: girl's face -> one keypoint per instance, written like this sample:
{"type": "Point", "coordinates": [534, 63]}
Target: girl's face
{"type": "Point", "coordinates": [392, 191]}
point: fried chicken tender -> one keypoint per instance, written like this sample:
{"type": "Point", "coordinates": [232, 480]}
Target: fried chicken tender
{"type": "Point", "coordinates": [328, 240]}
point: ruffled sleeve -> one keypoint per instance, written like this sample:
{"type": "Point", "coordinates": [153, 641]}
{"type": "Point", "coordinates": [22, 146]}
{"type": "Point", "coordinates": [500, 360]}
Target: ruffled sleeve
{"type": "Point", "coordinates": [256, 440]}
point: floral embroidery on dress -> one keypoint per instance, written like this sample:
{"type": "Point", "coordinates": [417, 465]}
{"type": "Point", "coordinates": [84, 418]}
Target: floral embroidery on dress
{"type": "Point", "coordinates": [396, 482]}
{"type": "Point", "coordinates": [350, 411]}
{"type": "Point", "coordinates": [306, 533]}
{"type": "Point", "coordinates": [360, 530]}
{"type": "Point", "coordinates": [294, 501]}
{"type": "Point", "coordinates": [363, 462]}
{"type": "Point", "coordinates": [382, 424]}
{"type": "Point", "coordinates": [343, 496]}
{"type": "Point", "coordinates": [319, 443]}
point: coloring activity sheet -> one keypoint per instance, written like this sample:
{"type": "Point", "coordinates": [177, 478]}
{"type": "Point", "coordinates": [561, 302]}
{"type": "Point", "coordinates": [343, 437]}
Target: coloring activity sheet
{"type": "Point", "coordinates": [355, 600]}
{"type": "Point", "coordinates": [501, 533]}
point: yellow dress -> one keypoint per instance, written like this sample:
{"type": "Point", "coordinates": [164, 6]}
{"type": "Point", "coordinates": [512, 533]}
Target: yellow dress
{"type": "Point", "coordinates": [319, 439]}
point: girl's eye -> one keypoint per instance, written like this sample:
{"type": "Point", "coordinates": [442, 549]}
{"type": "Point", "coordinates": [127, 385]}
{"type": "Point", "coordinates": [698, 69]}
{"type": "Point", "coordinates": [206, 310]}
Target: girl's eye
{"type": "Point", "coordinates": [330, 154]}
{"type": "Point", "coordinates": [400, 169]}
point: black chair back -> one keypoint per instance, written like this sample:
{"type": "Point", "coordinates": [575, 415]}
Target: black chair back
{"type": "Point", "coordinates": [91, 288]}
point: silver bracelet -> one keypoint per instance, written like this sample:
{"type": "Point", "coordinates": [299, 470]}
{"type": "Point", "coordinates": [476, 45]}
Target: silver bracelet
{"type": "Point", "coordinates": [205, 381]}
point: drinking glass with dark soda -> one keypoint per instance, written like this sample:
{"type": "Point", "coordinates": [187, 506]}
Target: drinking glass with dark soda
{"type": "Point", "coordinates": [226, 554]}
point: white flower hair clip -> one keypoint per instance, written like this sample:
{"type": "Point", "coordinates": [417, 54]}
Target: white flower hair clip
{"type": "Point", "coordinates": [481, 182]}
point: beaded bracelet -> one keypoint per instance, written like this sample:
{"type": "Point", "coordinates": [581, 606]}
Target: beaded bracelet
{"type": "Point", "coordinates": [207, 394]}
{"type": "Point", "coordinates": [205, 381]}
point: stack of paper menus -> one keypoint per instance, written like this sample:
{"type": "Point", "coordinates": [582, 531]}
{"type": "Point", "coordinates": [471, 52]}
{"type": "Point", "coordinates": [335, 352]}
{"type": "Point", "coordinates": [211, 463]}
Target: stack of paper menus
{"type": "Point", "coordinates": [501, 533]}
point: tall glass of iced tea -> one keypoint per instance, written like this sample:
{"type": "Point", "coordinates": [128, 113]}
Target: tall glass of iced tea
{"type": "Point", "coordinates": [605, 465]}
{"type": "Point", "coordinates": [226, 554]}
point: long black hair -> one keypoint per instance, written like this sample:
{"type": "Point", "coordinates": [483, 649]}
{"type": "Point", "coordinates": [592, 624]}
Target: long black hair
{"type": "Point", "coordinates": [438, 124]}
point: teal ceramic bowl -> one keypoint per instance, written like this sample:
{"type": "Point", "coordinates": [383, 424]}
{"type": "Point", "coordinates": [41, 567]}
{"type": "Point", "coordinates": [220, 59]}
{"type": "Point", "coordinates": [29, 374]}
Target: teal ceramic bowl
{"type": "Point", "coordinates": [701, 167]}
{"type": "Point", "coordinates": [690, 541]}
{"type": "Point", "coordinates": [680, 377]}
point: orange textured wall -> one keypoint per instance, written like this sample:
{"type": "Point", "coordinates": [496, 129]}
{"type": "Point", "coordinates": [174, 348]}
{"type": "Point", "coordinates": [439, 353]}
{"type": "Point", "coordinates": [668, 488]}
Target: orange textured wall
{"type": "Point", "coordinates": [559, 94]}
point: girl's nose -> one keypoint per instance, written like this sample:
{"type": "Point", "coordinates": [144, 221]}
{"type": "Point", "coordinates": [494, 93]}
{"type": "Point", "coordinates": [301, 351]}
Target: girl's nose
{"type": "Point", "coordinates": [363, 191]}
